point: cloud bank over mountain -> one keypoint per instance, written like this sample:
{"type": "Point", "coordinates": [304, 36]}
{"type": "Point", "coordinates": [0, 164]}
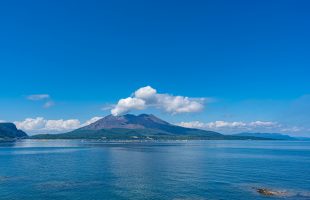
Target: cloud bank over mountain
{"type": "Point", "coordinates": [240, 126]}
{"type": "Point", "coordinates": [42, 125]}
{"type": "Point", "coordinates": [148, 97]}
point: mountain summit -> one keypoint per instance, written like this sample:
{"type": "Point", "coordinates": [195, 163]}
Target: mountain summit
{"type": "Point", "coordinates": [128, 122]}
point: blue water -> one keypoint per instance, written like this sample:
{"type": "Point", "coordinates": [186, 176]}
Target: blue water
{"type": "Point", "coordinates": [196, 170]}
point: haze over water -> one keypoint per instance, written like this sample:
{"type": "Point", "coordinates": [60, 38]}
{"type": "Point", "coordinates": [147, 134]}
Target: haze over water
{"type": "Point", "coordinates": [211, 170]}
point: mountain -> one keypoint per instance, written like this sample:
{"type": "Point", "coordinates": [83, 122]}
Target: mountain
{"type": "Point", "coordinates": [128, 121]}
{"type": "Point", "coordinates": [144, 123]}
{"type": "Point", "coordinates": [274, 136]}
{"type": "Point", "coordinates": [9, 131]}
{"type": "Point", "coordinates": [144, 126]}
{"type": "Point", "coordinates": [303, 138]}
{"type": "Point", "coordinates": [134, 127]}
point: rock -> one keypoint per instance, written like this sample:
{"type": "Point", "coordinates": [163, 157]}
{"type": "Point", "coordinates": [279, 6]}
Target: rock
{"type": "Point", "coordinates": [3, 178]}
{"type": "Point", "coordinates": [268, 192]}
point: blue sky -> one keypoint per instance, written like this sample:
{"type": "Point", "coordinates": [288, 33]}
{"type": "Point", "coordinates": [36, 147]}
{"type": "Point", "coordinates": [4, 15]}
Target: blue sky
{"type": "Point", "coordinates": [250, 57]}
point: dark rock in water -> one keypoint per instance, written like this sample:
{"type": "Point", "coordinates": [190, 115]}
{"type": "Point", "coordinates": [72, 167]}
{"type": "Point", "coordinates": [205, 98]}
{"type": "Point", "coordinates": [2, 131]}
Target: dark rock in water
{"type": "Point", "coordinates": [299, 194]}
{"type": "Point", "coordinates": [3, 178]}
{"type": "Point", "coordinates": [265, 192]}
{"type": "Point", "coordinates": [9, 131]}
{"type": "Point", "coordinates": [268, 192]}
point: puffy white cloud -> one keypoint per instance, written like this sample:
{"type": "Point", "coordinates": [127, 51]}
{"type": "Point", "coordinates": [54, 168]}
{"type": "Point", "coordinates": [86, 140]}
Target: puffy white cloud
{"type": "Point", "coordinates": [38, 97]}
{"type": "Point", "coordinates": [31, 123]}
{"type": "Point", "coordinates": [146, 97]}
{"type": "Point", "coordinates": [60, 125]}
{"type": "Point", "coordinates": [128, 104]}
{"type": "Point", "coordinates": [223, 124]}
{"type": "Point", "coordinates": [179, 104]}
{"type": "Point", "coordinates": [237, 126]}
{"type": "Point", "coordinates": [145, 93]}
{"type": "Point", "coordinates": [41, 125]}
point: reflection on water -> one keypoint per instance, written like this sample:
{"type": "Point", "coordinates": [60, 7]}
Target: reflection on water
{"type": "Point", "coordinates": [65, 169]}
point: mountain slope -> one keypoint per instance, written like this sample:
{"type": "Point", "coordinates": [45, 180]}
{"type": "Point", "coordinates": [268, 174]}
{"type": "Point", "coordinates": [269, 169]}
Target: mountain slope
{"type": "Point", "coordinates": [9, 131]}
{"type": "Point", "coordinates": [144, 123]}
{"type": "Point", "coordinates": [127, 121]}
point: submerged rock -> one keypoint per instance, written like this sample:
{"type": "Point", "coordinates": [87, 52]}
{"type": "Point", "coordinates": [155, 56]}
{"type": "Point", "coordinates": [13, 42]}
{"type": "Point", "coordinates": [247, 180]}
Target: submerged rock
{"type": "Point", "coordinates": [269, 192]}
{"type": "Point", "coordinates": [3, 178]}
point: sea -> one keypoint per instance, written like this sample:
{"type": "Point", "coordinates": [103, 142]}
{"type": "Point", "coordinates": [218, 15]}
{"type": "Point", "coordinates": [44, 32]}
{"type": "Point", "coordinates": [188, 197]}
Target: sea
{"type": "Point", "coordinates": [163, 170]}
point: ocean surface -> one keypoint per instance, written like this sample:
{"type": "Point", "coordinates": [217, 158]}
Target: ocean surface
{"type": "Point", "coordinates": [178, 170]}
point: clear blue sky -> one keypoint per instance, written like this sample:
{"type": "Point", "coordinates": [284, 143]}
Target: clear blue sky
{"type": "Point", "coordinates": [251, 56]}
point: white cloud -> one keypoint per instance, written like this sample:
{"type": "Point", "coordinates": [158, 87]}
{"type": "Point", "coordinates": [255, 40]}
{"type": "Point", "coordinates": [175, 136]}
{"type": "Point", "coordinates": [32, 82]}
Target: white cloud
{"type": "Point", "coordinates": [107, 107]}
{"type": "Point", "coordinates": [125, 105]}
{"type": "Point", "coordinates": [41, 125]}
{"type": "Point", "coordinates": [237, 126]}
{"type": "Point", "coordinates": [193, 124]}
{"type": "Point", "coordinates": [48, 104]}
{"type": "Point", "coordinates": [293, 129]}
{"type": "Point", "coordinates": [145, 93]}
{"type": "Point", "coordinates": [179, 104]}
{"type": "Point", "coordinates": [42, 97]}
{"type": "Point", "coordinates": [223, 124]}
{"type": "Point", "coordinates": [31, 124]}
{"type": "Point", "coordinates": [263, 124]}
{"type": "Point", "coordinates": [92, 120]}
{"type": "Point", "coordinates": [146, 97]}
{"type": "Point", "coordinates": [38, 97]}
{"type": "Point", "coordinates": [60, 125]}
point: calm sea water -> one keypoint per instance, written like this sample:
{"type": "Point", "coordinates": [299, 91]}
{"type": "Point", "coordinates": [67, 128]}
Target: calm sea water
{"type": "Point", "coordinates": [196, 170]}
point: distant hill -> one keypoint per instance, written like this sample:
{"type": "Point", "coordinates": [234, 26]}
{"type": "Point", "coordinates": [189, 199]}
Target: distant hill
{"type": "Point", "coordinates": [9, 131]}
{"type": "Point", "coordinates": [303, 138]}
{"type": "Point", "coordinates": [274, 136]}
{"type": "Point", "coordinates": [143, 126]}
